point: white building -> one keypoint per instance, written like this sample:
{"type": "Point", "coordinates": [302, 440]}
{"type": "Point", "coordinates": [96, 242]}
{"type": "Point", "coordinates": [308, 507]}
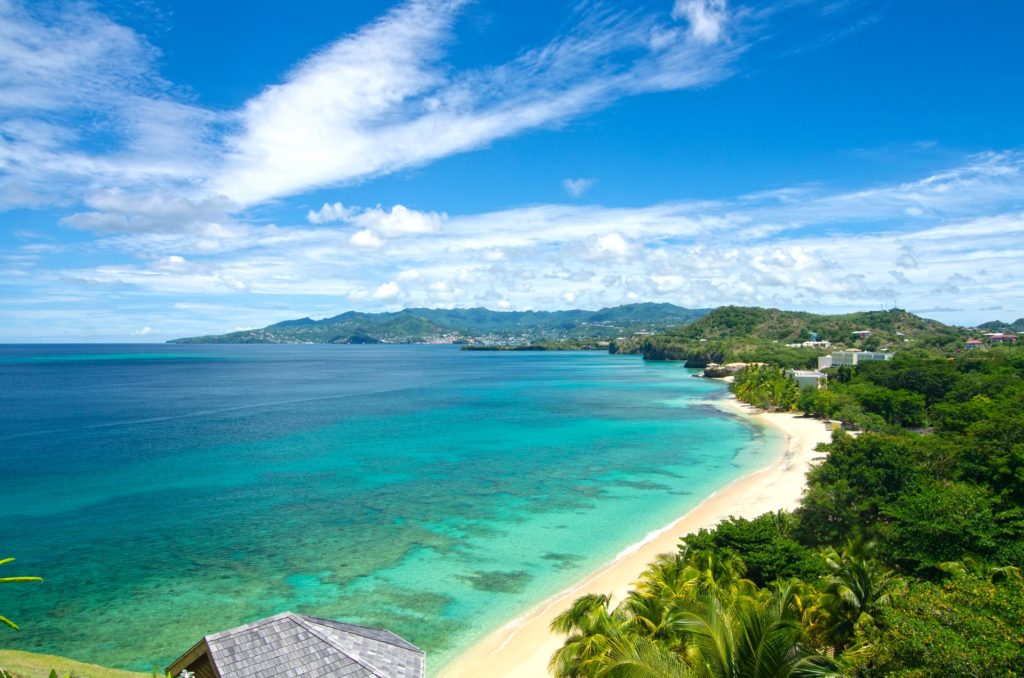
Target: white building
{"type": "Point", "coordinates": [811, 344]}
{"type": "Point", "coordinates": [807, 378]}
{"type": "Point", "coordinates": [850, 358]}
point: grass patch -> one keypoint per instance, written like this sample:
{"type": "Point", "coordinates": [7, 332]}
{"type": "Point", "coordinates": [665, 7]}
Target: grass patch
{"type": "Point", "coordinates": [31, 665]}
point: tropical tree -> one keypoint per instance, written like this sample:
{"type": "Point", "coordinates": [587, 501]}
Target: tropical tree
{"type": "Point", "coordinates": [691, 614]}
{"type": "Point", "coordinates": [854, 593]}
{"type": "Point", "coordinates": [725, 638]}
{"type": "Point", "coordinates": [590, 626]}
{"type": "Point", "coordinates": [13, 580]}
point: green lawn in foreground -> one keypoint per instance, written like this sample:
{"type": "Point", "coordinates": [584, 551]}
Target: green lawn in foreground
{"type": "Point", "coordinates": [30, 665]}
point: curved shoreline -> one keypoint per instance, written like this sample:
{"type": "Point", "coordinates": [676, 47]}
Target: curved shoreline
{"type": "Point", "coordinates": [521, 648]}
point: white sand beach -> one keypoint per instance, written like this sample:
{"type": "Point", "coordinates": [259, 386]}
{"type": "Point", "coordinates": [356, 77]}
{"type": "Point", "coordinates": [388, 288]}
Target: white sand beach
{"type": "Point", "coordinates": [523, 647]}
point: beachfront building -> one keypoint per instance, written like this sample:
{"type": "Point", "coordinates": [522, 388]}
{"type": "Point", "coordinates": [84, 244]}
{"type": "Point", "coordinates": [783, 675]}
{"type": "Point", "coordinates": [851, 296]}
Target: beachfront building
{"type": "Point", "coordinates": [851, 358]}
{"type": "Point", "coordinates": [297, 645]}
{"type": "Point", "coordinates": [807, 378]}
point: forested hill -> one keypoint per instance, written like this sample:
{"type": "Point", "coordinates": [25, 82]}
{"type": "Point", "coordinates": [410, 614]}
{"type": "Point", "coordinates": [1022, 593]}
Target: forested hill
{"type": "Point", "coordinates": [761, 334]}
{"type": "Point", "coordinates": [445, 325]}
{"type": "Point", "coordinates": [997, 326]}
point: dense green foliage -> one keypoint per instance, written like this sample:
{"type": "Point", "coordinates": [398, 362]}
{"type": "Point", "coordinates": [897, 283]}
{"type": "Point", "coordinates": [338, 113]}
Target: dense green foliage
{"type": "Point", "coordinates": [766, 387]}
{"type": "Point", "coordinates": [426, 324]}
{"type": "Point", "coordinates": [766, 545]}
{"type": "Point", "coordinates": [750, 334]}
{"type": "Point", "coordinates": [927, 503]}
{"type": "Point", "coordinates": [964, 626]}
{"type": "Point", "coordinates": [692, 614]}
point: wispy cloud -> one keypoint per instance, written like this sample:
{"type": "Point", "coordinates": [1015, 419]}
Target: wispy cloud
{"type": "Point", "coordinates": [377, 101]}
{"type": "Point", "coordinates": [707, 18]}
{"type": "Point", "coordinates": [577, 187]}
{"type": "Point", "coordinates": [74, 81]}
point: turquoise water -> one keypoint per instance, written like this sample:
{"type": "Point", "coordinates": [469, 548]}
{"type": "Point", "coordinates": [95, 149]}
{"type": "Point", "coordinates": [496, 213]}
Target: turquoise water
{"type": "Point", "coordinates": [169, 492]}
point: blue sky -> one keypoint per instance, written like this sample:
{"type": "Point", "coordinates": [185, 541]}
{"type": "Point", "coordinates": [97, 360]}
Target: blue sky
{"type": "Point", "coordinates": [170, 169]}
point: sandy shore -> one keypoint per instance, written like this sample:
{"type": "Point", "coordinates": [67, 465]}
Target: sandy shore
{"type": "Point", "coordinates": [523, 647]}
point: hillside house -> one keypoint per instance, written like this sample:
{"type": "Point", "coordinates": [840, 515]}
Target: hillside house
{"type": "Point", "coordinates": [300, 646]}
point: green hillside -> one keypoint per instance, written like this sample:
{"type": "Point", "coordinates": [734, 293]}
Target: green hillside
{"type": "Point", "coordinates": [739, 333]}
{"type": "Point", "coordinates": [439, 325]}
{"type": "Point", "coordinates": [19, 664]}
{"type": "Point", "coordinates": [998, 326]}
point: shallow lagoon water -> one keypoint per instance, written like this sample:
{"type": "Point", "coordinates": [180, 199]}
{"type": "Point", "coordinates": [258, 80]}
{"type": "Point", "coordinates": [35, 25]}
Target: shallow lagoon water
{"type": "Point", "coordinates": [169, 492]}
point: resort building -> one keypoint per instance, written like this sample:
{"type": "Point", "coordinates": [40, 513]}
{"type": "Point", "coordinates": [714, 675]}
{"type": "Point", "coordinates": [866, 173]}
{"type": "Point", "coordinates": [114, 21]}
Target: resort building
{"type": "Point", "coordinates": [811, 344]}
{"type": "Point", "coordinates": [996, 338]}
{"type": "Point", "coordinates": [807, 378]}
{"type": "Point", "coordinates": [851, 358]}
{"type": "Point", "coordinates": [861, 334]}
{"type": "Point", "coordinates": [300, 646]}
{"type": "Point", "coordinates": [973, 344]}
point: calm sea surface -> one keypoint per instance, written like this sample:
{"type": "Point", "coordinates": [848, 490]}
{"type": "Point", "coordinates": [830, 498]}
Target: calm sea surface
{"type": "Point", "coordinates": [166, 492]}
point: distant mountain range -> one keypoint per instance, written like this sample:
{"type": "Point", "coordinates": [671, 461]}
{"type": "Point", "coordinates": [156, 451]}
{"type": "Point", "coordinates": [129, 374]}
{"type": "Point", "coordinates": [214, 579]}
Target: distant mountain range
{"type": "Point", "coordinates": [479, 325]}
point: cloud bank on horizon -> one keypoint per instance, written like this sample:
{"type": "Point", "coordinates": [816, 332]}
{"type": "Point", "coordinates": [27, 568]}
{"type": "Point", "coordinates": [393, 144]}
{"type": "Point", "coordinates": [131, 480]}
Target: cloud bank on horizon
{"type": "Point", "coordinates": [157, 204]}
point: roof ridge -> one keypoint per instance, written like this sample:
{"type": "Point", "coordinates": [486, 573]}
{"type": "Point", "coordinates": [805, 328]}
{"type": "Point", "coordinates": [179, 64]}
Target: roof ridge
{"type": "Point", "coordinates": [412, 647]}
{"type": "Point", "coordinates": [304, 623]}
{"type": "Point", "coordinates": [253, 624]}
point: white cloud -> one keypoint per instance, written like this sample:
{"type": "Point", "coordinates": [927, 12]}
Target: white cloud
{"type": "Point", "coordinates": [376, 101]}
{"type": "Point", "coordinates": [381, 99]}
{"type": "Point", "coordinates": [115, 210]}
{"type": "Point", "coordinates": [330, 212]}
{"type": "Point", "coordinates": [613, 243]}
{"type": "Point", "coordinates": [366, 238]}
{"type": "Point", "coordinates": [400, 220]}
{"type": "Point", "coordinates": [825, 250]}
{"type": "Point", "coordinates": [577, 187]}
{"type": "Point", "coordinates": [143, 331]}
{"type": "Point", "coordinates": [388, 290]}
{"type": "Point", "coordinates": [707, 18]}
{"type": "Point", "coordinates": [59, 67]}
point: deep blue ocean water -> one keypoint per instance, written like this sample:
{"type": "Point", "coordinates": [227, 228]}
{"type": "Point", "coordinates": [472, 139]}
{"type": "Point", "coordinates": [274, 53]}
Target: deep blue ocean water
{"type": "Point", "coordinates": [166, 492]}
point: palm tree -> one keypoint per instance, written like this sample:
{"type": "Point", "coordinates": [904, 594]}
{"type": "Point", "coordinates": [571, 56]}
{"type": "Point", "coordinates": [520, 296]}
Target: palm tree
{"type": "Point", "coordinates": [722, 638]}
{"type": "Point", "coordinates": [672, 581]}
{"type": "Point", "coordinates": [13, 580]}
{"type": "Point", "coordinates": [590, 627]}
{"type": "Point", "coordinates": [752, 638]}
{"type": "Point", "coordinates": [978, 567]}
{"type": "Point", "coordinates": [690, 570]}
{"type": "Point", "coordinates": [857, 588]}
{"type": "Point", "coordinates": [691, 614]}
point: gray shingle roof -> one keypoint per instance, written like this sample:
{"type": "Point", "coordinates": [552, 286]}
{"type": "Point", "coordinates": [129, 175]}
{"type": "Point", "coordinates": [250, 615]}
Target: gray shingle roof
{"type": "Point", "coordinates": [297, 646]}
